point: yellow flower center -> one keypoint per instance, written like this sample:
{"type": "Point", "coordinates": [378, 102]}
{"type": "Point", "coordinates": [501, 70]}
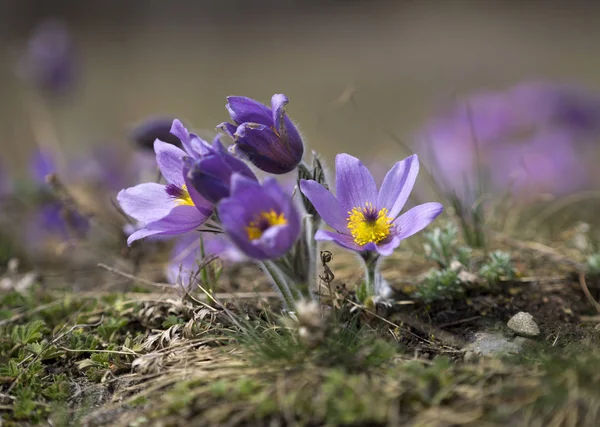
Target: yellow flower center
{"type": "Point", "coordinates": [368, 225]}
{"type": "Point", "coordinates": [184, 198]}
{"type": "Point", "coordinates": [263, 221]}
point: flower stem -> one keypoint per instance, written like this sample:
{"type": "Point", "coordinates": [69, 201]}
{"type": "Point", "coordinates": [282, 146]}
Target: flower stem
{"type": "Point", "coordinates": [281, 286]}
{"type": "Point", "coordinates": [371, 259]}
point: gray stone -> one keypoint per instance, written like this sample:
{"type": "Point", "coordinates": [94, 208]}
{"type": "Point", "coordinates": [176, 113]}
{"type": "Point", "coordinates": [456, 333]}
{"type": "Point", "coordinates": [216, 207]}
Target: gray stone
{"type": "Point", "coordinates": [523, 324]}
{"type": "Point", "coordinates": [492, 344]}
{"type": "Point", "coordinates": [597, 327]}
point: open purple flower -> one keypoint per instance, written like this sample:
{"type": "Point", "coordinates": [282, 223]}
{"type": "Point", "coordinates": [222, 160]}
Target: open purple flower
{"type": "Point", "coordinates": [365, 219]}
{"type": "Point", "coordinates": [211, 174]}
{"type": "Point", "coordinates": [171, 209]}
{"type": "Point", "coordinates": [262, 221]}
{"type": "Point", "coordinates": [265, 136]}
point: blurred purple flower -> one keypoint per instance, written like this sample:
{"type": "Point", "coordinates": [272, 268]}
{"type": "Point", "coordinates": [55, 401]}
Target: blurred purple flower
{"type": "Point", "coordinates": [211, 174]}
{"type": "Point", "coordinates": [480, 140]}
{"type": "Point", "coordinates": [41, 165]}
{"type": "Point", "coordinates": [186, 254]}
{"type": "Point", "coordinates": [262, 221]}
{"type": "Point", "coordinates": [171, 209]}
{"type": "Point", "coordinates": [54, 222]}
{"type": "Point", "coordinates": [152, 128]}
{"type": "Point", "coordinates": [49, 60]}
{"type": "Point", "coordinates": [108, 168]}
{"type": "Point", "coordinates": [365, 219]}
{"type": "Point", "coordinates": [548, 163]}
{"type": "Point", "coordinates": [265, 136]}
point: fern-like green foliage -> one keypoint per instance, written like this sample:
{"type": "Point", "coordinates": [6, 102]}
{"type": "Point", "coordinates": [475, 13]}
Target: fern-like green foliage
{"type": "Point", "coordinates": [499, 266]}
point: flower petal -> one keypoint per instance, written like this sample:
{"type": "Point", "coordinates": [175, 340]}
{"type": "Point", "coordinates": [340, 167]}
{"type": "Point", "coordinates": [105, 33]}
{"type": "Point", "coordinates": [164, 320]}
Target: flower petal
{"type": "Point", "coordinates": [170, 162]}
{"type": "Point", "coordinates": [203, 205]}
{"type": "Point", "coordinates": [355, 185]}
{"type": "Point", "coordinates": [179, 220]}
{"type": "Point", "coordinates": [278, 103]}
{"type": "Point", "coordinates": [228, 128]}
{"type": "Point", "coordinates": [263, 147]}
{"type": "Point", "coordinates": [180, 131]}
{"type": "Point", "coordinates": [344, 240]}
{"type": "Point", "coordinates": [387, 248]}
{"type": "Point", "coordinates": [146, 202]}
{"type": "Point", "coordinates": [242, 110]}
{"type": "Point", "coordinates": [326, 204]}
{"type": "Point", "coordinates": [234, 216]}
{"type": "Point", "coordinates": [397, 185]}
{"type": "Point", "coordinates": [416, 219]}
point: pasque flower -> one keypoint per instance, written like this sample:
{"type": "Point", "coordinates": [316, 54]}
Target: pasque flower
{"type": "Point", "coordinates": [363, 218]}
{"type": "Point", "coordinates": [261, 220]}
{"type": "Point", "coordinates": [174, 208]}
{"type": "Point", "coordinates": [265, 136]}
{"type": "Point", "coordinates": [211, 174]}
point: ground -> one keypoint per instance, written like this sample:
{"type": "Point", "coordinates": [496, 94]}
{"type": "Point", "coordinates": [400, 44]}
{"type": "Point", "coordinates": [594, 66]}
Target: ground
{"type": "Point", "coordinates": [150, 356]}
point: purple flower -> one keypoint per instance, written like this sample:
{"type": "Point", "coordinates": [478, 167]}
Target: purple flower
{"type": "Point", "coordinates": [41, 165]}
{"type": "Point", "coordinates": [158, 127]}
{"type": "Point", "coordinates": [265, 136]}
{"type": "Point", "coordinates": [211, 174]}
{"type": "Point", "coordinates": [54, 222]}
{"type": "Point", "coordinates": [363, 218]}
{"type": "Point", "coordinates": [186, 254]}
{"type": "Point", "coordinates": [262, 221]}
{"type": "Point", "coordinates": [49, 60]}
{"type": "Point", "coordinates": [171, 209]}
{"type": "Point", "coordinates": [548, 163]}
{"type": "Point", "coordinates": [481, 140]}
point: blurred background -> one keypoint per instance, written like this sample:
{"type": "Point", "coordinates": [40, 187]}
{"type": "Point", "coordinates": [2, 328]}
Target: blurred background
{"type": "Point", "coordinates": [511, 86]}
{"type": "Point", "coordinates": [398, 59]}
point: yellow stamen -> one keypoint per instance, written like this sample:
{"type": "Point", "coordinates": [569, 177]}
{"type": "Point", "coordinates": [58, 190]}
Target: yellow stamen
{"type": "Point", "coordinates": [369, 226]}
{"type": "Point", "coordinates": [185, 199]}
{"type": "Point", "coordinates": [263, 221]}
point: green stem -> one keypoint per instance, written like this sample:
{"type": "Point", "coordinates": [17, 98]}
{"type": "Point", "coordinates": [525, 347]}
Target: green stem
{"type": "Point", "coordinates": [371, 259]}
{"type": "Point", "coordinates": [280, 284]}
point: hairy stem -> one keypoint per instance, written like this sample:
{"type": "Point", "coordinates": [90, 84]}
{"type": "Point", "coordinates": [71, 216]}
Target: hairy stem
{"type": "Point", "coordinates": [280, 284]}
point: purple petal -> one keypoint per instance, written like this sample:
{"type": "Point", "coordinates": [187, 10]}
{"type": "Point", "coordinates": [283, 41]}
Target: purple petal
{"type": "Point", "coordinates": [170, 162]}
{"type": "Point", "coordinates": [416, 219]}
{"type": "Point", "coordinates": [146, 202]}
{"type": "Point", "coordinates": [242, 110]}
{"type": "Point", "coordinates": [278, 103]}
{"type": "Point", "coordinates": [228, 128]}
{"type": "Point", "coordinates": [264, 148]}
{"type": "Point", "coordinates": [235, 164]}
{"type": "Point", "coordinates": [204, 206]}
{"type": "Point", "coordinates": [234, 217]}
{"type": "Point", "coordinates": [240, 184]}
{"type": "Point", "coordinates": [397, 185]}
{"type": "Point", "coordinates": [387, 248]}
{"type": "Point", "coordinates": [42, 165]}
{"type": "Point", "coordinates": [326, 205]}
{"type": "Point", "coordinates": [355, 185]}
{"type": "Point", "coordinates": [179, 130]}
{"type": "Point", "coordinates": [198, 147]}
{"type": "Point", "coordinates": [344, 240]}
{"type": "Point", "coordinates": [179, 220]}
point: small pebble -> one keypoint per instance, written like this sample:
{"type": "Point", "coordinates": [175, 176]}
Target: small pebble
{"type": "Point", "coordinates": [523, 324]}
